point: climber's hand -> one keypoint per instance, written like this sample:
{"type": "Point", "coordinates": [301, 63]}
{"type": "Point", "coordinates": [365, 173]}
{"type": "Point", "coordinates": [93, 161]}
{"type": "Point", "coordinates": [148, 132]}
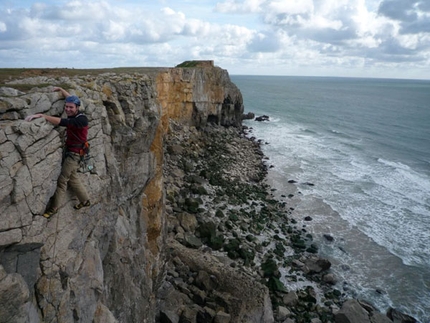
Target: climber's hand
{"type": "Point", "coordinates": [33, 116]}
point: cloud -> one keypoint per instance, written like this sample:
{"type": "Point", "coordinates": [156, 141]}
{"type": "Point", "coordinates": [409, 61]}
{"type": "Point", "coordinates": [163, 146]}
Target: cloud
{"type": "Point", "coordinates": [397, 9]}
{"type": "Point", "coordinates": [101, 33]}
{"type": "Point", "coordinates": [94, 21]}
{"type": "Point", "coordinates": [264, 42]}
{"type": "Point", "coordinates": [76, 10]}
{"type": "Point", "coordinates": [414, 16]}
{"type": "Point", "coordinates": [331, 23]}
{"type": "Point", "coordinates": [332, 34]}
{"type": "Point", "coordinates": [344, 27]}
{"type": "Point", "coordinates": [235, 6]}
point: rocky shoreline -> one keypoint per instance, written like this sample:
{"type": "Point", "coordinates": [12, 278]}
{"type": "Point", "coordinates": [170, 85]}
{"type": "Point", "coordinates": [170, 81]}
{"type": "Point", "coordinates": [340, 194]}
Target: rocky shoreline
{"type": "Point", "coordinates": [232, 245]}
{"type": "Point", "coordinates": [183, 226]}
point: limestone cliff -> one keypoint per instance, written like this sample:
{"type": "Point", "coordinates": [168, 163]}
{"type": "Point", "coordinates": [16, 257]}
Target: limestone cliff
{"type": "Point", "coordinates": [103, 263]}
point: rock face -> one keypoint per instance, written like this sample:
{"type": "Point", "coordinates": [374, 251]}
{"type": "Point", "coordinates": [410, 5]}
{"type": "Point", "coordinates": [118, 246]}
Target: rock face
{"type": "Point", "coordinates": [104, 263]}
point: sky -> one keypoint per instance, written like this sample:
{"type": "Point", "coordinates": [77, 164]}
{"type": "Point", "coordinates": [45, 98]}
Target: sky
{"type": "Point", "coordinates": [353, 38]}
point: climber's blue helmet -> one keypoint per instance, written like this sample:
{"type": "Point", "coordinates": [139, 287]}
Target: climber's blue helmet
{"type": "Point", "coordinates": [73, 99]}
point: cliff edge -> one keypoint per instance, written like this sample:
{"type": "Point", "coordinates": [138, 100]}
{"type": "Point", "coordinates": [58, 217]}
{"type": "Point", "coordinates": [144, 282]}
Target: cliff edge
{"type": "Point", "coordinates": [104, 263]}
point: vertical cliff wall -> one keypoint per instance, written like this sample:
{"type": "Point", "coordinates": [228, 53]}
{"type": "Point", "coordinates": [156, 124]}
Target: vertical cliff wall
{"type": "Point", "coordinates": [103, 263]}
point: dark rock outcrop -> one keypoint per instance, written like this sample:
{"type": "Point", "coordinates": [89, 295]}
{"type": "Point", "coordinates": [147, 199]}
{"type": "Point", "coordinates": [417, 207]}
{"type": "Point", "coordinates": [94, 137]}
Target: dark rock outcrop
{"type": "Point", "coordinates": [248, 116]}
{"type": "Point", "coordinates": [262, 118]}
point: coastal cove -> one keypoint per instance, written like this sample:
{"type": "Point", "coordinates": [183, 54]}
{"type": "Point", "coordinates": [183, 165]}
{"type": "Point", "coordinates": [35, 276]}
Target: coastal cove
{"type": "Point", "coordinates": [364, 145]}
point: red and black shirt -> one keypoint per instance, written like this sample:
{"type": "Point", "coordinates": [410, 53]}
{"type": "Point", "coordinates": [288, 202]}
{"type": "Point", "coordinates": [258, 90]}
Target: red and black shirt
{"type": "Point", "coordinates": [77, 131]}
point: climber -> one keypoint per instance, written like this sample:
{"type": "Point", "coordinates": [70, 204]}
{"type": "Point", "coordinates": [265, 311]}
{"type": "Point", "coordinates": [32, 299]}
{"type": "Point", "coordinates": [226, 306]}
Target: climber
{"type": "Point", "coordinates": [76, 125]}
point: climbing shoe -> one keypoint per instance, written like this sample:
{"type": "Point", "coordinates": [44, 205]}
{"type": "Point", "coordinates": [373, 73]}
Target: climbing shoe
{"type": "Point", "coordinates": [49, 213]}
{"type": "Point", "coordinates": [82, 204]}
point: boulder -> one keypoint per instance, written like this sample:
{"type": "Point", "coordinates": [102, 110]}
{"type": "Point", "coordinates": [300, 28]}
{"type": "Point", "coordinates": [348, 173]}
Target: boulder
{"type": "Point", "coordinates": [222, 317]}
{"type": "Point", "coordinates": [205, 281]}
{"type": "Point", "coordinates": [315, 264]}
{"type": "Point", "coordinates": [262, 118]}
{"type": "Point", "coordinates": [14, 297]}
{"type": "Point", "coordinates": [377, 317]}
{"type": "Point", "coordinates": [192, 241]}
{"type": "Point", "coordinates": [352, 312]}
{"type": "Point", "coordinates": [188, 222]}
{"type": "Point", "coordinates": [175, 150]}
{"type": "Point", "coordinates": [207, 229]}
{"type": "Point", "coordinates": [398, 317]}
{"type": "Point", "coordinates": [290, 299]}
{"type": "Point", "coordinates": [248, 116]}
{"type": "Point", "coordinates": [283, 313]}
{"type": "Point", "coordinates": [328, 237]}
{"type": "Point", "coordinates": [329, 279]}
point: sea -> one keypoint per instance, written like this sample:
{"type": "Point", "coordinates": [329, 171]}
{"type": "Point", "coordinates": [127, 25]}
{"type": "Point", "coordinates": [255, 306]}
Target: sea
{"type": "Point", "coordinates": [355, 152]}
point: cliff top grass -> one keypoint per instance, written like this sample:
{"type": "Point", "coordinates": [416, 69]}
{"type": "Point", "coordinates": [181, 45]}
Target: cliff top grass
{"type": "Point", "coordinates": [196, 63]}
{"type": "Point", "coordinates": [9, 74]}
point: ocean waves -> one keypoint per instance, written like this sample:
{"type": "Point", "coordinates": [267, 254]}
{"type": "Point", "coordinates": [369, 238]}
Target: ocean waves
{"type": "Point", "coordinates": [372, 182]}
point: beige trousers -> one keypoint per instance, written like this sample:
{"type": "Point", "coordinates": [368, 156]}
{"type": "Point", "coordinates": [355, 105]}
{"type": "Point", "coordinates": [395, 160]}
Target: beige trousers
{"type": "Point", "coordinates": [69, 176]}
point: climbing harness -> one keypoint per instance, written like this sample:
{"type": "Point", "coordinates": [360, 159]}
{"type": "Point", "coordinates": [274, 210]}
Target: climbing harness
{"type": "Point", "coordinates": [86, 162]}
